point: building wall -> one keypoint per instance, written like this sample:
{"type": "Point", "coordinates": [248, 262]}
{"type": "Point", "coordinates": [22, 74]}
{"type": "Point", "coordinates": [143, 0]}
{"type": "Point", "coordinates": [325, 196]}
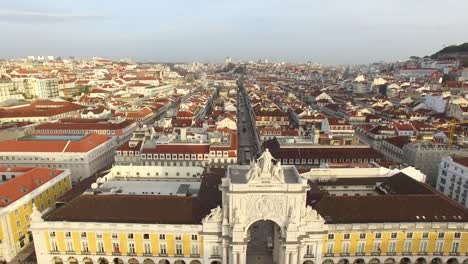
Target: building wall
{"type": "Point", "coordinates": [150, 241]}
{"type": "Point", "coordinates": [380, 245]}
{"type": "Point", "coordinates": [81, 165]}
{"type": "Point", "coordinates": [425, 158]}
{"type": "Point", "coordinates": [15, 219]}
{"type": "Point", "coordinates": [339, 242]}
{"type": "Point", "coordinates": [452, 180]}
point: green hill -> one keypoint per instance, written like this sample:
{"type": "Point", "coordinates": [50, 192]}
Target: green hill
{"type": "Point", "coordinates": [454, 51]}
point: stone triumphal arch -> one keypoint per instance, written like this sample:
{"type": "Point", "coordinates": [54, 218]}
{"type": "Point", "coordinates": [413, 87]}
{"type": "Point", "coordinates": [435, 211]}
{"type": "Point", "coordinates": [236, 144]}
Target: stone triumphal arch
{"type": "Point", "coordinates": [264, 217]}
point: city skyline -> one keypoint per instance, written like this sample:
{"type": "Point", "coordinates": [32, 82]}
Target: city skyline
{"type": "Point", "coordinates": [338, 33]}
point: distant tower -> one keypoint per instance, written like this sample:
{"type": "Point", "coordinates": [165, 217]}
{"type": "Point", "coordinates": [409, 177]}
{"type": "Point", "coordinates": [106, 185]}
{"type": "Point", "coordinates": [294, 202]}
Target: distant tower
{"type": "Point", "coordinates": [227, 60]}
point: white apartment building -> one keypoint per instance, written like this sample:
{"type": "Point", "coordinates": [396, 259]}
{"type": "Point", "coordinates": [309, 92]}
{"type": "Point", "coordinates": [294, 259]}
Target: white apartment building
{"type": "Point", "coordinates": [6, 88]}
{"type": "Point", "coordinates": [83, 155]}
{"type": "Point", "coordinates": [453, 178]}
{"type": "Point", "coordinates": [45, 88]}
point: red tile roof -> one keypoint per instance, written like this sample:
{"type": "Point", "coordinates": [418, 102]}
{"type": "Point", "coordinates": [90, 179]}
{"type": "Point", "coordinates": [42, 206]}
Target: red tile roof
{"type": "Point", "coordinates": [40, 108]}
{"type": "Point", "coordinates": [20, 186]}
{"type": "Point", "coordinates": [461, 160]}
{"type": "Point", "coordinates": [77, 124]}
{"type": "Point", "coordinates": [86, 144]}
{"type": "Point", "coordinates": [179, 149]}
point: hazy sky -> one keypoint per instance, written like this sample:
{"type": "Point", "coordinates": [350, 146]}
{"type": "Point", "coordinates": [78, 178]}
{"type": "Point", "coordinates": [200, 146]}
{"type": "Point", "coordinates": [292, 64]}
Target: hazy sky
{"type": "Point", "coordinates": [326, 31]}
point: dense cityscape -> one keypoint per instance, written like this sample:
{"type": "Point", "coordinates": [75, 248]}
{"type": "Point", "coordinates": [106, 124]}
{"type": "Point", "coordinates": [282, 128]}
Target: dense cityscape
{"type": "Point", "coordinates": [116, 161]}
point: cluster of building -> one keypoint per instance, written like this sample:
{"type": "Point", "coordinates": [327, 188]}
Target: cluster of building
{"type": "Point", "coordinates": [118, 162]}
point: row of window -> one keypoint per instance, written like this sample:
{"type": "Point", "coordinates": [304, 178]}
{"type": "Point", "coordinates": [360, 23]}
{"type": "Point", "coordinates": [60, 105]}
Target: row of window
{"type": "Point", "coordinates": [69, 247]}
{"type": "Point", "coordinates": [38, 158]}
{"type": "Point", "coordinates": [407, 247]}
{"type": "Point", "coordinates": [394, 235]}
{"type": "Point", "coordinates": [58, 131]}
{"type": "Point", "coordinates": [165, 174]}
{"type": "Point", "coordinates": [317, 161]}
{"type": "Point", "coordinates": [129, 236]}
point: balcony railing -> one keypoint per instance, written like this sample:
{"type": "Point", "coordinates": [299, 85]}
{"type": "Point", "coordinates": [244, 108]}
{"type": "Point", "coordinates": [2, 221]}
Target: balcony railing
{"type": "Point", "coordinates": [131, 253]}
{"type": "Point", "coordinates": [194, 255]}
{"type": "Point", "coordinates": [376, 253]}
{"type": "Point", "coordinates": [344, 254]}
{"type": "Point", "coordinates": [70, 252]}
{"type": "Point", "coordinates": [148, 254]}
{"type": "Point", "coordinates": [100, 253]}
{"type": "Point", "coordinates": [391, 253]}
{"type": "Point", "coordinates": [215, 256]}
{"type": "Point", "coordinates": [116, 254]}
{"type": "Point", "coordinates": [54, 252]}
{"type": "Point", "coordinates": [329, 254]}
{"type": "Point", "coordinates": [163, 254]}
{"type": "Point", "coordinates": [407, 253]}
{"type": "Point", "coordinates": [85, 253]}
{"type": "Point", "coordinates": [422, 253]}
{"type": "Point", "coordinates": [309, 256]}
{"type": "Point", "coordinates": [454, 253]}
{"type": "Point", "coordinates": [438, 254]}
{"type": "Point", "coordinates": [360, 254]}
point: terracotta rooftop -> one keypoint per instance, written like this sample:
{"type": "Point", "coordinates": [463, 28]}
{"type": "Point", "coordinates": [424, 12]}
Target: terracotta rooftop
{"type": "Point", "coordinates": [149, 209]}
{"type": "Point", "coordinates": [390, 209]}
{"type": "Point", "coordinates": [86, 144]}
{"type": "Point", "coordinates": [20, 186]}
{"type": "Point", "coordinates": [461, 160]}
{"type": "Point", "coordinates": [320, 152]}
{"type": "Point", "coordinates": [40, 108]}
{"type": "Point", "coordinates": [402, 199]}
{"type": "Point", "coordinates": [82, 125]}
{"type": "Point", "coordinates": [398, 141]}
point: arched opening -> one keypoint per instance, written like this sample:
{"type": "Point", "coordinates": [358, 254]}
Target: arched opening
{"type": "Point", "coordinates": [87, 260]}
{"type": "Point", "coordinates": [118, 261]}
{"type": "Point", "coordinates": [263, 239]}
{"type": "Point", "coordinates": [359, 261]}
{"type": "Point", "coordinates": [405, 261]}
{"type": "Point", "coordinates": [148, 261]}
{"type": "Point", "coordinates": [179, 261]}
{"type": "Point", "coordinates": [103, 261]}
{"type": "Point", "coordinates": [195, 262]}
{"type": "Point", "coordinates": [452, 261]}
{"type": "Point", "coordinates": [215, 262]}
{"type": "Point", "coordinates": [133, 261]}
{"type": "Point", "coordinates": [421, 261]}
{"type": "Point", "coordinates": [308, 262]}
{"type": "Point", "coordinates": [343, 261]}
{"type": "Point", "coordinates": [436, 261]}
{"type": "Point", "coordinates": [57, 260]}
{"type": "Point", "coordinates": [465, 261]}
{"type": "Point", "coordinates": [327, 261]}
{"type": "Point", "coordinates": [374, 261]}
{"type": "Point", "coordinates": [164, 261]}
{"type": "Point", "coordinates": [72, 260]}
{"type": "Point", "coordinates": [390, 261]}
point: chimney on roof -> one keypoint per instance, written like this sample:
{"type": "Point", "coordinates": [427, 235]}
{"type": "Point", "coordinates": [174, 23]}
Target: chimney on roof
{"type": "Point", "coordinates": [183, 134]}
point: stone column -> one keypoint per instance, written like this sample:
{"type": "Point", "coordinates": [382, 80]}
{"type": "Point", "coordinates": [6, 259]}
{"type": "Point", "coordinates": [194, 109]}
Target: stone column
{"type": "Point", "coordinates": [242, 257]}
{"type": "Point", "coordinates": [234, 257]}
{"type": "Point", "coordinates": [293, 258]}
{"type": "Point", "coordinates": [300, 258]}
{"type": "Point", "coordinates": [225, 254]}
{"type": "Point", "coordinates": [318, 252]}
{"type": "Point", "coordinates": [286, 257]}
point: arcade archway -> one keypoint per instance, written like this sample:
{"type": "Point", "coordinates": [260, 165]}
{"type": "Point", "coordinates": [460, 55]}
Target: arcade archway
{"type": "Point", "coordinates": [263, 238]}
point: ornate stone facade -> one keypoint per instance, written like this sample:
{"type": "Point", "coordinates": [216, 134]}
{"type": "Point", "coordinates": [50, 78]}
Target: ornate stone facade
{"type": "Point", "coordinates": [266, 190]}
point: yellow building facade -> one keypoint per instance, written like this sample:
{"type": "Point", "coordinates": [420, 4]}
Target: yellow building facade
{"type": "Point", "coordinates": [258, 213]}
{"type": "Point", "coordinates": [39, 187]}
